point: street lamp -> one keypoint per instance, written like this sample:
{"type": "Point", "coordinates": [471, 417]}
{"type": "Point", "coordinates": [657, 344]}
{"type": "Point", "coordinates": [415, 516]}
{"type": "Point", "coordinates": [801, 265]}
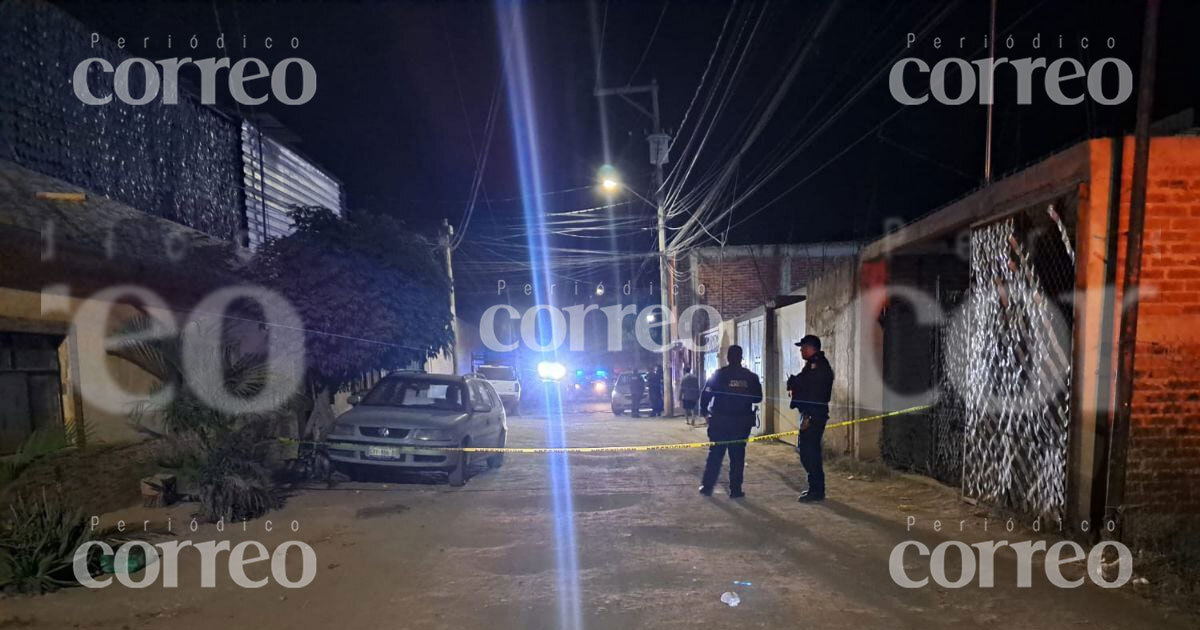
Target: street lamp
{"type": "Point", "coordinates": [610, 180]}
{"type": "Point", "coordinates": [611, 184]}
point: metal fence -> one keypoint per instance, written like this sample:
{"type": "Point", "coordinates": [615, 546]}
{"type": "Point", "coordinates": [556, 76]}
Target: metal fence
{"type": "Point", "coordinates": [1016, 371]}
{"type": "Point", "coordinates": [947, 415]}
{"type": "Point", "coordinates": [920, 349]}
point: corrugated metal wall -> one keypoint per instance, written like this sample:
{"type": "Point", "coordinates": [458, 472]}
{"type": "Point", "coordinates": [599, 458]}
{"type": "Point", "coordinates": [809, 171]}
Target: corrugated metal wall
{"type": "Point", "coordinates": [276, 178]}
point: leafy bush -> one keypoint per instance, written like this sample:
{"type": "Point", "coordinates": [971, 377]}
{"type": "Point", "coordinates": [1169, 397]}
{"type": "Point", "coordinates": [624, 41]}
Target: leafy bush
{"type": "Point", "coordinates": [37, 545]}
{"type": "Point", "coordinates": [371, 295]}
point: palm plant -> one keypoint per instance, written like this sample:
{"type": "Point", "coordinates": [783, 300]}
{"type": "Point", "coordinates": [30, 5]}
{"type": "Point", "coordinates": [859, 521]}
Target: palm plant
{"type": "Point", "coordinates": [38, 540]}
{"type": "Point", "coordinates": [220, 451]}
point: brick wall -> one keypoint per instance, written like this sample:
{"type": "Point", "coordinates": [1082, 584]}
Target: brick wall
{"type": "Point", "coordinates": [1163, 473]}
{"type": "Point", "coordinates": [736, 284]}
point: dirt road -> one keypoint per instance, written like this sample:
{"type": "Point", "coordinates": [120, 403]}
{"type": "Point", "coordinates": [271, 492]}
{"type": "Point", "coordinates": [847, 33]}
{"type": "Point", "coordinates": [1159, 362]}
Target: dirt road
{"type": "Point", "coordinates": [631, 544]}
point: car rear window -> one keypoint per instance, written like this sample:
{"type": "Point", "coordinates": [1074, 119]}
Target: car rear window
{"type": "Point", "coordinates": [414, 392]}
{"type": "Point", "coordinates": [498, 373]}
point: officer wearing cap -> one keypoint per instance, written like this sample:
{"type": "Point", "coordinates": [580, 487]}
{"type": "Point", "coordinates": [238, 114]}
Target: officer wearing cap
{"type": "Point", "coordinates": [733, 391]}
{"type": "Point", "coordinates": [811, 390]}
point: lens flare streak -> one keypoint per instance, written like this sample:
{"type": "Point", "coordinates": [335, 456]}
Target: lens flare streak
{"type": "Point", "coordinates": [523, 115]}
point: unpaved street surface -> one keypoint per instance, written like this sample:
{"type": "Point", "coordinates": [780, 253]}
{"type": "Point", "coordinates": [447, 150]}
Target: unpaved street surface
{"type": "Point", "coordinates": [637, 547]}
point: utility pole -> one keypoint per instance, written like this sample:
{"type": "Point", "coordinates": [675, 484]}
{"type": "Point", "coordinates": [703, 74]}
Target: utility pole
{"type": "Point", "coordinates": [659, 147]}
{"type": "Point", "coordinates": [447, 239]}
{"type": "Point", "coordinates": [1127, 337]}
{"type": "Point", "coordinates": [991, 79]}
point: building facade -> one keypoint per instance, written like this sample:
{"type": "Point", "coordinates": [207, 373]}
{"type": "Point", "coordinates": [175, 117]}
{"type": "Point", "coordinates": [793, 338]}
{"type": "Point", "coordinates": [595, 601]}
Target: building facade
{"type": "Point", "coordinates": [106, 208]}
{"type": "Point", "coordinates": [1001, 313]}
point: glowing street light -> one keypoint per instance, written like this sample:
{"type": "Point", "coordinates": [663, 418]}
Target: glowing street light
{"type": "Point", "coordinates": [611, 184]}
{"type": "Point", "coordinates": [610, 180]}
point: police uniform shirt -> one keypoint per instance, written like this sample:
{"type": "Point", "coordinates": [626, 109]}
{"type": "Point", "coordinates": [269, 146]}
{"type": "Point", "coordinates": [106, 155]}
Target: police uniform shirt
{"type": "Point", "coordinates": [734, 391]}
{"type": "Point", "coordinates": [812, 387]}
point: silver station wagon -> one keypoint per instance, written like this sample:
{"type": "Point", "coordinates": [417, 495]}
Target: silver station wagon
{"type": "Point", "coordinates": [414, 420]}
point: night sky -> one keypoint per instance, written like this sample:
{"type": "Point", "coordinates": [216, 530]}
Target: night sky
{"type": "Point", "coordinates": [404, 93]}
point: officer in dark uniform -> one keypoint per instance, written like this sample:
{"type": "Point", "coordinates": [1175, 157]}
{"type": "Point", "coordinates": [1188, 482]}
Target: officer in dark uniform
{"type": "Point", "coordinates": [637, 387]}
{"type": "Point", "coordinates": [733, 391]}
{"type": "Point", "coordinates": [654, 388]}
{"type": "Point", "coordinates": [811, 390]}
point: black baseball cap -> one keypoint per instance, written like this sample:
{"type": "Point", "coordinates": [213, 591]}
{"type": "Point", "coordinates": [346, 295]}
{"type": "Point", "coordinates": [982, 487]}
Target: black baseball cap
{"type": "Point", "coordinates": [810, 340]}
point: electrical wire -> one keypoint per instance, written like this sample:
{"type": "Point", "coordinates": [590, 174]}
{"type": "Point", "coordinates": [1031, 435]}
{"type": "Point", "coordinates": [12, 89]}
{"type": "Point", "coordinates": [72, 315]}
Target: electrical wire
{"type": "Point", "coordinates": [650, 43]}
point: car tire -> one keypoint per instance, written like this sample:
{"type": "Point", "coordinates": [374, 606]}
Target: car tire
{"type": "Point", "coordinates": [512, 409]}
{"type": "Point", "coordinates": [459, 474]}
{"type": "Point", "coordinates": [617, 411]}
{"type": "Point", "coordinates": [497, 460]}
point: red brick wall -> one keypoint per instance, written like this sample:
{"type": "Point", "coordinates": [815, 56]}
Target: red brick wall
{"type": "Point", "coordinates": [1163, 471]}
{"type": "Point", "coordinates": [735, 285]}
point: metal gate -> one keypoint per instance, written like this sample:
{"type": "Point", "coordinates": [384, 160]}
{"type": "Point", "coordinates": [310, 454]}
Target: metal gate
{"type": "Point", "coordinates": [1015, 376]}
{"type": "Point", "coordinates": [750, 335]}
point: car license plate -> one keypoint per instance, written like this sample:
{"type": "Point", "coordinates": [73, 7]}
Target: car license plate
{"type": "Point", "coordinates": [383, 452]}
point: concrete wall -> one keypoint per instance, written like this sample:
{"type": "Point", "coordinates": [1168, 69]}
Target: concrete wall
{"type": "Point", "coordinates": [831, 314]}
{"type": "Point", "coordinates": [98, 388]}
{"type": "Point", "coordinates": [468, 342]}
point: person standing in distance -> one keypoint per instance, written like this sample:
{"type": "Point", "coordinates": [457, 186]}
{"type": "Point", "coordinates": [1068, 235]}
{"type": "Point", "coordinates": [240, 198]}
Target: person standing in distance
{"type": "Point", "coordinates": [733, 391]}
{"type": "Point", "coordinates": [689, 393]}
{"type": "Point", "coordinates": [811, 390]}
{"type": "Point", "coordinates": [637, 387]}
{"type": "Point", "coordinates": [654, 388]}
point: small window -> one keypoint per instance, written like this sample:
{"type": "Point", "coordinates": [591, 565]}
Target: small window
{"type": "Point", "coordinates": [491, 391]}
{"type": "Point", "coordinates": [497, 373]}
{"type": "Point", "coordinates": [479, 394]}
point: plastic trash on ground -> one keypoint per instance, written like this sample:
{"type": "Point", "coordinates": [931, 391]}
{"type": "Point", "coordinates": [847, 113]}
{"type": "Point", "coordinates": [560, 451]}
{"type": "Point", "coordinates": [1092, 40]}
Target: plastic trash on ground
{"type": "Point", "coordinates": [731, 598]}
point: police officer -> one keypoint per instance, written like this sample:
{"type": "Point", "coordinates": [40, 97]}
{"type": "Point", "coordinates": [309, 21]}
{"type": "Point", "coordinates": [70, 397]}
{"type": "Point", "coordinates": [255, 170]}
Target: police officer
{"type": "Point", "coordinates": [811, 390]}
{"type": "Point", "coordinates": [654, 388]}
{"type": "Point", "coordinates": [637, 387]}
{"type": "Point", "coordinates": [733, 391]}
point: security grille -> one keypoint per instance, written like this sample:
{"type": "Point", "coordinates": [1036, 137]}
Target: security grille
{"type": "Point", "coordinates": [946, 416]}
{"type": "Point", "coordinates": [919, 352]}
{"type": "Point", "coordinates": [1015, 377]}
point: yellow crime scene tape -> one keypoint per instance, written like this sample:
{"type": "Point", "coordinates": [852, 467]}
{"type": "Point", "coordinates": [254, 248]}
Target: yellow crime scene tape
{"type": "Point", "coordinates": [656, 447]}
